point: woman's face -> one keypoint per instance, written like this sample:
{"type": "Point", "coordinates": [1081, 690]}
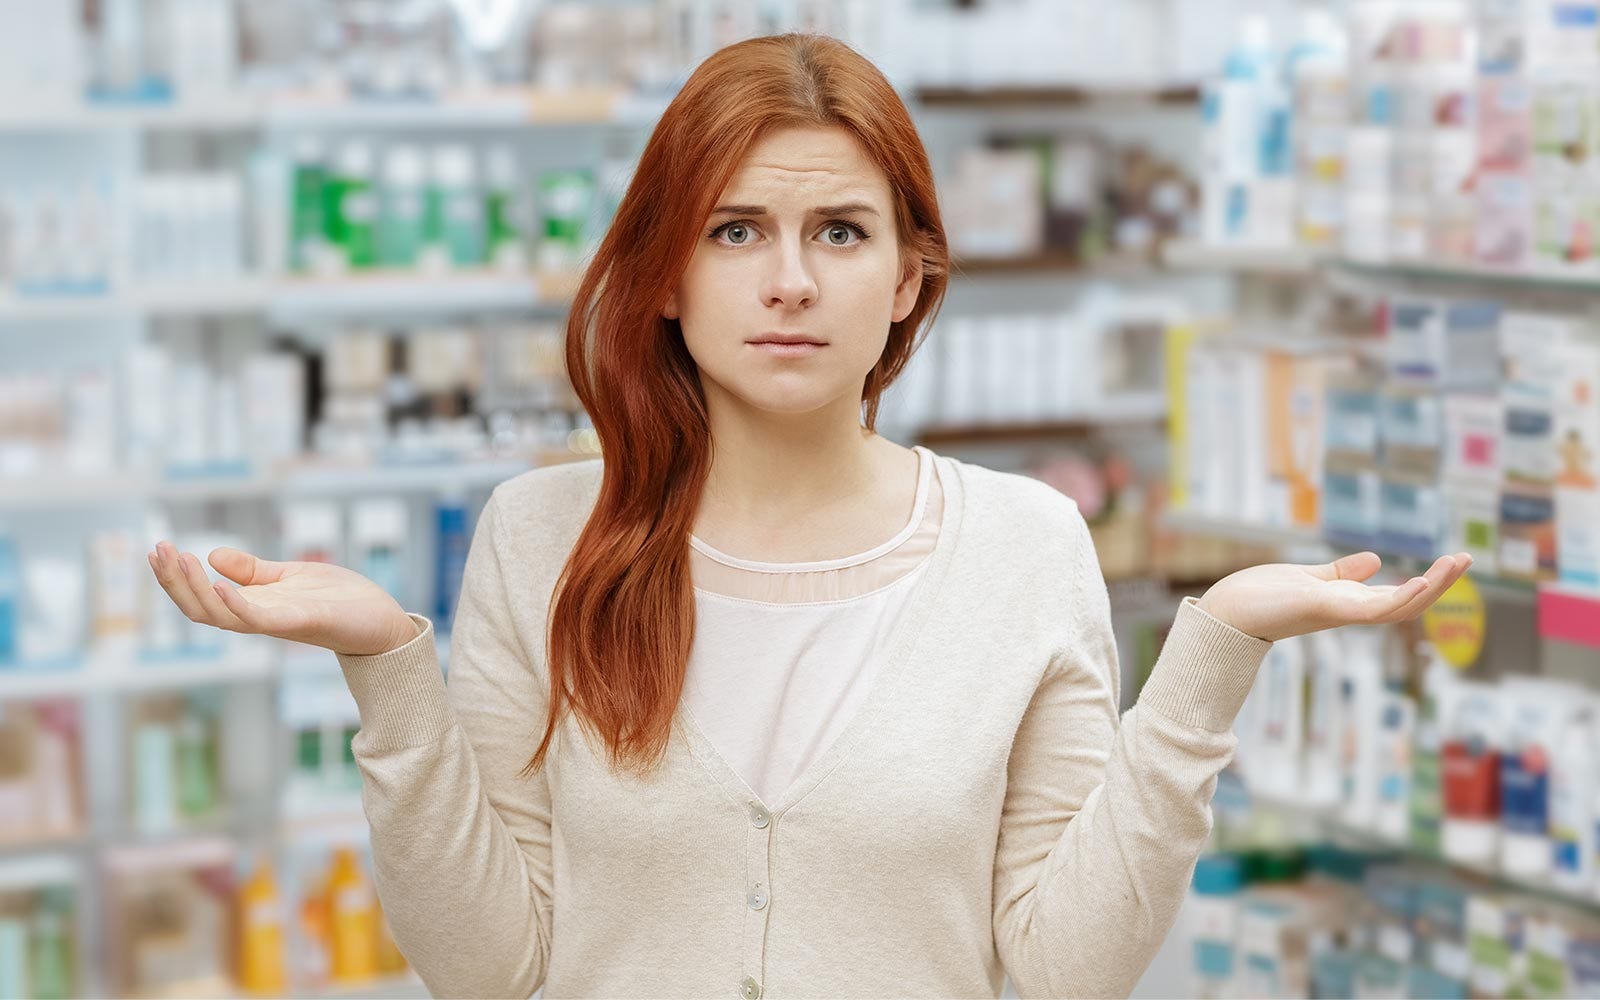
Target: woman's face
{"type": "Point", "coordinates": [802, 242]}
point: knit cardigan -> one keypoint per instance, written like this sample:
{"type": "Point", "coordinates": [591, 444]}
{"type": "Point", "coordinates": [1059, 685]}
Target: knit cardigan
{"type": "Point", "coordinates": [985, 813]}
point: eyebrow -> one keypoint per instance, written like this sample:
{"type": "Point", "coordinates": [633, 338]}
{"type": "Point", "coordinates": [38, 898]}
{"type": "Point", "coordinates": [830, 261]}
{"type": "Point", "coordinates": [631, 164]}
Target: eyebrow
{"type": "Point", "coordinates": [847, 208]}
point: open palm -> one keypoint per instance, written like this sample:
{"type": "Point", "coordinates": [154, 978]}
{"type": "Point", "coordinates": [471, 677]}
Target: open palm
{"type": "Point", "coordinates": [1279, 600]}
{"type": "Point", "coordinates": [316, 603]}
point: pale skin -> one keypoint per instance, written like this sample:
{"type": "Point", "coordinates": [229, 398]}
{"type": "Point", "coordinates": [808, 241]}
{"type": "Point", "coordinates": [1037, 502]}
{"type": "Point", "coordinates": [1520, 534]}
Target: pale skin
{"type": "Point", "coordinates": [794, 476]}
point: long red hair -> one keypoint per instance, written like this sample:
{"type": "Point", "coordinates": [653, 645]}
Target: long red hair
{"type": "Point", "coordinates": [622, 620]}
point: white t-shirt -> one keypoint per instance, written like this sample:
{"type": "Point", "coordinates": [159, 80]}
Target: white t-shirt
{"type": "Point", "coordinates": [784, 652]}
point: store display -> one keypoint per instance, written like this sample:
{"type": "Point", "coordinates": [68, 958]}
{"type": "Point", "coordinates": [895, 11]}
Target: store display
{"type": "Point", "coordinates": [290, 278]}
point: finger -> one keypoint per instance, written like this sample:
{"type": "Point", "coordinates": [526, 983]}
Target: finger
{"type": "Point", "coordinates": [171, 579]}
{"type": "Point", "coordinates": [259, 618]}
{"type": "Point", "coordinates": [1443, 574]}
{"type": "Point", "coordinates": [216, 612]}
{"type": "Point", "coordinates": [243, 568]}
{"type": "Point", "coordinates": [1356, 566]}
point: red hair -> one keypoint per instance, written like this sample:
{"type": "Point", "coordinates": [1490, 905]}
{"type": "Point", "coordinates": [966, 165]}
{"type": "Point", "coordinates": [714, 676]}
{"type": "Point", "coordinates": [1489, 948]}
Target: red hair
{"type": "Point", "coordinates": [622, 620]}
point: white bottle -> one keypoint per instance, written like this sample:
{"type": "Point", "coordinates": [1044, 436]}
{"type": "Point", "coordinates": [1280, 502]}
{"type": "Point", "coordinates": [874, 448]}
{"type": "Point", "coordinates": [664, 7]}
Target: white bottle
{"type": "Point", "coordinates": [1573, 779]}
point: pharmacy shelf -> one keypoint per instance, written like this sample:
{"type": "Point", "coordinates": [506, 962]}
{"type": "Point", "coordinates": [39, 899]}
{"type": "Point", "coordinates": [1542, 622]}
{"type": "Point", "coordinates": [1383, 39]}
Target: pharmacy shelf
{"type": "Point", "coordinates": [502, 108]}
{"type": "Point", "coordinates": [1543, 278]}
{"type": "Point", "coordinates": [221, 114]}
{"type": "Point", "coordinates": [1246, 532]}
{"type": "Point", "coordinates": [1266, 261]}
{"type": "Point", "coordinates": [366, 294]}
{"type": "Point", "coordinates": [48, 492]}
{"type": "Point", "coordinates": [1189, 522]}
{"type": "Point", "coordinates": [248, 662]}
{"type": "Point", "coordinates": [1300, 262]}
{"type": "Point", "coordinates": [1132, 412]}
{"type": "Point", "coordinates": [1328, 820]}
{"type": "Point", "coordinates": [28, 871]}
{"type": "Point", "coordinates": [402, 987]}
{"type": "Point", "coordinates": [1054, 264]}
{"type": "Point", "coordinates": [1055, 95]}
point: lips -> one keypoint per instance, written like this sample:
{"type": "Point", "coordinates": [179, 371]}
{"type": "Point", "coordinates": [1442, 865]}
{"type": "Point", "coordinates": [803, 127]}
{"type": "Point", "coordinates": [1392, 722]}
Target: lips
{"type": "Point", "coordinates": [787, 338]}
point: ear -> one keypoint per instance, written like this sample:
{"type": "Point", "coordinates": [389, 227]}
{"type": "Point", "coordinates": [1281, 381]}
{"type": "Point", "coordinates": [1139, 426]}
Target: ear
{"type": "Point", "coordinates": [905, 295]}
{"type": "Point", "coordinates": [670, 310]}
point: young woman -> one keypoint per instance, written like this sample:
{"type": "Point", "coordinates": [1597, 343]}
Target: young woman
{"type": "Point", "coordinates": [763, 704]}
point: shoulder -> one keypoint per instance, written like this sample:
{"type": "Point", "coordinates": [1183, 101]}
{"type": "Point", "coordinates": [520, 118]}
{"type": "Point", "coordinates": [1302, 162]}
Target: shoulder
{"type": "Point", "coordinates": [555, 499]}
{"type": "Point", "coordinates": [1025, 523]}
{"type": "Point", "coordinates": [1015, 499]}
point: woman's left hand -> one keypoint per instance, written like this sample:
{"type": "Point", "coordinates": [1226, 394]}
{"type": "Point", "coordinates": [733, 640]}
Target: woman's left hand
{"type": "Point", "coordinates": [1280, 600]}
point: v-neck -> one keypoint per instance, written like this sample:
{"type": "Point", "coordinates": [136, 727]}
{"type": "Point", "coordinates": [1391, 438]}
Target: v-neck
{"type": "Point", "coordinates": [896, 651]}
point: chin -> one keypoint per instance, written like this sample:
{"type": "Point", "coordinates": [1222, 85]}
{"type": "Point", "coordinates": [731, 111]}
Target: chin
{"type": "Point", "coordinates": [789, 396]}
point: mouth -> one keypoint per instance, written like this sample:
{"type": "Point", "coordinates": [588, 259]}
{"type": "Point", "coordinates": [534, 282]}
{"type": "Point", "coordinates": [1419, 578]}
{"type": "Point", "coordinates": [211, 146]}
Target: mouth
{"type": "Point", "coordinates": [787, 345]}
{"type": "Point", "coordinates": [786, 339]}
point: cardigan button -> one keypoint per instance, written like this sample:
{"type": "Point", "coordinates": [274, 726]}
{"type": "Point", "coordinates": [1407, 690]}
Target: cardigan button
{"type": "Point", "coordinates": [759, 817]}
{"type": "Point", "coordinates": [751, 990]}
{"type": "Point", "coordinates": [757, 897]}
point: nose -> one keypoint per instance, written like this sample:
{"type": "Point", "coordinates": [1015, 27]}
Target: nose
{"type": "Point", "coordinates": [788, 281]}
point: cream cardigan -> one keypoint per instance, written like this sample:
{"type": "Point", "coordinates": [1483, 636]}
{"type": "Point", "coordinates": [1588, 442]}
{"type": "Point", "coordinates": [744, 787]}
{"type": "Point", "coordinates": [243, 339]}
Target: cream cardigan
{"type": "Point", "coordinates": [985, 812]}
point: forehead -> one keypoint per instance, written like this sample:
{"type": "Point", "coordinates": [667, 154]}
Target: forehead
{"type": "Point", "coordinates": [804, 164]}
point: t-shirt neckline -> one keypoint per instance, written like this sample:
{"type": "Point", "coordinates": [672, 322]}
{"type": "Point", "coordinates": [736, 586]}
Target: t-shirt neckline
{"type": "Point", "coordinates": [918, 510]}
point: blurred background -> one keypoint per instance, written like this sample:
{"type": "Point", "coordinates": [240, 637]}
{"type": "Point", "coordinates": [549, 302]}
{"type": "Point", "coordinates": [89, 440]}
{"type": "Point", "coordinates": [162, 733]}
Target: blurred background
{"type": "Point", "coordinates": [1249, 280]}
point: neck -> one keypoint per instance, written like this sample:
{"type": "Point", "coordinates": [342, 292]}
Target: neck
{"type": "Point", "coordinates": [780, 470]}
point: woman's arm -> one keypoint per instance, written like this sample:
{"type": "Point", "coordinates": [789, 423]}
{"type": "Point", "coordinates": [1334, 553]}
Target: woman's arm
{"type": "Point", "coordinates": [1103, 822]}
{"type": "Point", "coordinates": [460, 842]}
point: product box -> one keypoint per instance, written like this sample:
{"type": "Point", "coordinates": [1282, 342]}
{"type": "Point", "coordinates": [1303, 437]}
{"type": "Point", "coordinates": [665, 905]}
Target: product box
{"type": "Point", "coordinates": [1577, 476]}
{"type": "Point", "coordinates": [1527, 533]}
{"type": "Point", "coordinates": [1505, 218]}
{"type": "Point", "coordinates": [1410, 514]}
{"type": "Point", "coordinates": [1472, 521]}
{"type": "Point", "coordinates": [1531, 346]}
{"type": "Point", "coordinates": [1411, 429]}
{"type": "Point", "coordinates": [1352, 415]}
{"type": "Point", "coordinates": [1352, 512]}
{"type": "Point", "coordinates": [1473, 427]}
{"type": "Point", "coordinates": [1295, 399]}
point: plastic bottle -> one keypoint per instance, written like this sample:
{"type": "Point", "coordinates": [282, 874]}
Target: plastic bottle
{"type": "Point", "coordinates": [308, 226]}
{"type": "Point", "coordinates": [402, 209]}
{"type": "Point", "coordinates": [197, 779]}
{"type": "Point", "coordinates": [352, 206]}
{"type": "Point", "coordinates": [504, 212]}
{"type": "Point", "coordinates": [50, 953]}
{"type": "Point", "coordinates": [10, 594]}
{"type": "Point", "coordinates": [459, 206]}
{"type": "Point", "coordinates": [1469, 768]}
{"type": "Point", "coordinates": [451, 554]}
{"type": "Point", "coordinates": [261, 955]}
{"type": "Point", "coordinates": [353, 920]}
{"type": "Point", "coordinates": [1317, 70]}
{"type": "Point", "coordinates": [1214, 909]}
{"type": "Point", "coordinates": [1234, 111]}
{"type": "Point", "coordinates": [1525, 777]}
{"type": "Point", "coordinates": [13, 957]}
{"type": "Point", "coordinates": [1573, 779]}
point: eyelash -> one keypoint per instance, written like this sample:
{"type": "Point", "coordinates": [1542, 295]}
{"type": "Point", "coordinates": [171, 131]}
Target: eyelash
{"type": "Point", "coordinates": [859, 231]}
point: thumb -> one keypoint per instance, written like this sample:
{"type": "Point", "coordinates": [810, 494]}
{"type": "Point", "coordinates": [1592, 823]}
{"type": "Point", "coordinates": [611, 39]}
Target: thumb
{"type": "Point", "coordinates": [1356, 566]}
{"type": "Point", "coordinates": [243, 568]}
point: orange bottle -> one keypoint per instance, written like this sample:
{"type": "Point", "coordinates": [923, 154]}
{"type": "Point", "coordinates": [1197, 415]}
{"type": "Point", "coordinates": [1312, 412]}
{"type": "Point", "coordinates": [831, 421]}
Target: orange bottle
{"type": "Point", "coordinates": [261, 957]}
{"type": "Point", "coordinates": [352, 920]}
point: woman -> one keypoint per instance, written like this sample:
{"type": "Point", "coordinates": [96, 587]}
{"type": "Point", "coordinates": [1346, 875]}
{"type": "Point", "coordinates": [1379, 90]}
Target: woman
{"type": "Point", "coordinates": [776, 736]}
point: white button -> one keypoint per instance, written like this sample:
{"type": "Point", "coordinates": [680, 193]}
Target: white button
{"type": "Point", "coordinates": [751, 989]}
{"type": "Point", "coordinates": [757, 897]}
{"type": "Point", "coordinates": [759, 816]}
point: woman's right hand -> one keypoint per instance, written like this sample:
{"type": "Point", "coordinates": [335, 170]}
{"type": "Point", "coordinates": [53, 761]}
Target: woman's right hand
{"type": "Point", "coordinates": [315, 603]}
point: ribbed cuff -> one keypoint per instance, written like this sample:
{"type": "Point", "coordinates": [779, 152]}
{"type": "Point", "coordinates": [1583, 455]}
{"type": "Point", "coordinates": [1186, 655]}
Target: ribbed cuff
{"type": "Point", "coordinates": [1205, 670]}
{"type": "Point", "coordinates": [400, 694]}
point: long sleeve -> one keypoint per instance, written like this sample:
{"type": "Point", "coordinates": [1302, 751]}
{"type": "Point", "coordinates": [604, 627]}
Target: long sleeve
{"type": "Point", "coordinates": [460, 841]}
{"type": "Point", "coordinates": [1103, 821]}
